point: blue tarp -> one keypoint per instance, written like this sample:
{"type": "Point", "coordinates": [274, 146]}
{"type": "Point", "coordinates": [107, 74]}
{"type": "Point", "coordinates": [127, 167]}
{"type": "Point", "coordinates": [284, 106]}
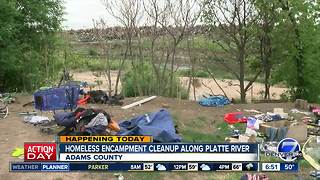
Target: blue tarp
{"type": "Point", "coordinates": [158, 124]}
{"type": "Point", "coordinates": [214, 101]}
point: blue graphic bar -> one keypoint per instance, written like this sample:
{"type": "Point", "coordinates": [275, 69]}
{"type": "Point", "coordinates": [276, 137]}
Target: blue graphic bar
{"type": "Point", "coordinates": [289, 167]}
{"type": "Point", "coordinates": [147, 167]}
{"type": "Point", "coordinates": [156, 148]}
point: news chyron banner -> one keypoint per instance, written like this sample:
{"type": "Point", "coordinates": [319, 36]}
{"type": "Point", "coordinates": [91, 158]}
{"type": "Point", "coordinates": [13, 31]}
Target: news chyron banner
{"type": "Point", "coordinates": [134, 153]}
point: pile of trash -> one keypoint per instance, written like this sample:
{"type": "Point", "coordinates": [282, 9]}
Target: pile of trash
{"type": "Point", "coordinates": [270, 126]}
{"type": "Point", "coordinates": [100, 97]}
{"type": "Point", "coordinates": [8, 98]}
{"type": "Point", "coordinates": [85, 122]}
{"type": "Point", "coordinates": [89, 122]}
{"type": "Point", "coordinates": [301, 123]}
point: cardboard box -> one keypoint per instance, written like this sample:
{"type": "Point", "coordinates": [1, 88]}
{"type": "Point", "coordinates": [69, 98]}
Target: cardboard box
{"type": "Point", "coordinates": [297, 130]}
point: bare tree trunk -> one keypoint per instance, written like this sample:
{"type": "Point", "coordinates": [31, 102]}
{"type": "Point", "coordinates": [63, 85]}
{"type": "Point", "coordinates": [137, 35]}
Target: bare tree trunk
{"type": "Point", "coordinates": [194, 89]}
{"type": "Point", "coordinates": [241, 75]}
{"type": "Point", "coordinates": [267, 84]}
{"type": "Point", "coordinates": [172, 69]}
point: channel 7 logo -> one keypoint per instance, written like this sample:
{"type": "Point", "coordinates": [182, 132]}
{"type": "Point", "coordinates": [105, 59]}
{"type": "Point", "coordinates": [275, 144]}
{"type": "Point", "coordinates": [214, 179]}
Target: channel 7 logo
{"type": "Point", "coordinates": [289, 149]}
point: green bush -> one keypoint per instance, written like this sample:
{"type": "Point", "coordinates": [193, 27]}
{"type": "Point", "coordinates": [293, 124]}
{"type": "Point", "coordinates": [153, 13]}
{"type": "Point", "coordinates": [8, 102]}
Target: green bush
{"type": "Point", "coordinates": [77, 62]}
{"type": "Point", "coordinates": [141, 81]}
{"type": "Point", "coordinates": [197, 73]}
{"type": "Point", "coordinates": [92, 52]}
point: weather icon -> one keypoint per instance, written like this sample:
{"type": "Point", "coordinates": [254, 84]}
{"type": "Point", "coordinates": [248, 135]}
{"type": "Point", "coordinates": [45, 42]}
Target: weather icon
{"type": "Point", "coordinates": [205, 167]}
{"type": "Point", "coordinates": [161, 167]}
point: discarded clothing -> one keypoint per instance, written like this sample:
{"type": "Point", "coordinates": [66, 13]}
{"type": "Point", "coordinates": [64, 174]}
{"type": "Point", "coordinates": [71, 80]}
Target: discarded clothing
{"type": "Point", "coordinates": [66, 119]}
{"type": "Point", "coordinates": [268, 117]}
{"type": "Point", "coordinates": [84, 100]}
{"type": "Point", "coordinates": [249, 132]}
{"type": "Point", "coordinates": [251, 122]}
{"type": "Point", "coordinates": [35, 120]}
{"type": "Point", "coordinates": [274, 117]}
{"type": "Point", "coordinates": [98, 129]}
{"type": "Point", "coordinates": [114, 126]}
{"type": "Point", "coordinates": [214, 101]}
{"type": "Point", "coordinates": [235, 117]}
{"type": "Point", "coordinates": [100, 119]}
{"type": "Point", "coordinates": [83, 122]}
{"type": "Point", "coordinates": [159, 125]}
{"type": "Point", "coordinates": [256, 124]}
{"type": "Point", "coordinates": [98, 96]}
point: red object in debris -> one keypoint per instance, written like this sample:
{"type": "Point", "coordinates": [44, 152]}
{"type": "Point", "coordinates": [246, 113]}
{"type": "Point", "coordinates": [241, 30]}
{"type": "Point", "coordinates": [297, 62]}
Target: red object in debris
{"type": "Point", "coordinates": [84, 100]}
{"type": "Point", "coordinates": [235, 117]}
{"type": "Point", "coordinates": [316, 110]}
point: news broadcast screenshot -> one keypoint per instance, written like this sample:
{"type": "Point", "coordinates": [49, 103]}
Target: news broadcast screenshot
{"type": "Point", "coordinates": [159, 89]}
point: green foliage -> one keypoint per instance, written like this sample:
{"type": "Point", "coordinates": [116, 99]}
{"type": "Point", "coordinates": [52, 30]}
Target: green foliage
{"type": "Point", "coordinates": [81, 63]}
{"type": "Point", "coordinates": [93, 53]}
{"type": "Point", "coordinates": [28, 41]}
{"type": "Point", "coordinates": [307, 26]}
{"type": "Point", "coordinates": [197, 73]}
{"type": "Point", "coordinates": [141, 81]}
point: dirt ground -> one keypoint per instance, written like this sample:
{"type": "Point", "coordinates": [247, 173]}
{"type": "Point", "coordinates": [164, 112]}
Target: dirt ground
{"type": "Point", "coordinates": [14, 132]}
{"type": "Point", "coordinates": [229, 86]}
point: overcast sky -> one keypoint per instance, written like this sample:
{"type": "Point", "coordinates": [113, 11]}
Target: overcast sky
{"type": "Point", "coordinates": [79, 13]}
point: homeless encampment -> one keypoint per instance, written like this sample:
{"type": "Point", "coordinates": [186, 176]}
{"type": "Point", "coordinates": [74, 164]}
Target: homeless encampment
{"type": "Point", "coordinates": [159, 125]}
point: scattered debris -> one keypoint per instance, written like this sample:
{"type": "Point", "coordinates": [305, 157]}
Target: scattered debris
{"type": "Point", "coordinates": [8, 98]}
{"type": "Point", "coordinates": [28, 113]}
{"type": "Point", "coordinates": [281, 112]}
{"type": "Point", "coordinates": [17, 152]}
{"type": "Point", "coordinates": [119, 176]}
{"type": "Point", "coordinates": [301, 104]}
{"type": "Point", "coordinates": [84, 122]}
{"type": "Point", "coordinates": [249, 176]}
{"type": "Point", "coordinates": [97, 96]}
{"type": "Point", "coordinates": [139, 102]}
{"type": "Point", "coordinates": [315, 174]}
{"type": "Point", "coordinates": [164, 105]}
{"type": "Point", "coordinates": [270, 146]}
{"type": "Point", "coordinates": [50, 128]}
{"type": "Point", "coordinates": [252, 111]}
{"type": "Point", "coordinates": [36, 120]}
{"type": "Point", "coordinates": [235, 133]}
{"type": "Point", "coordinates": [300, 112]}
{"type": "Point", "coordinates": [278, 130]}
{"type": "Point", "coordinates": [4, 111]}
